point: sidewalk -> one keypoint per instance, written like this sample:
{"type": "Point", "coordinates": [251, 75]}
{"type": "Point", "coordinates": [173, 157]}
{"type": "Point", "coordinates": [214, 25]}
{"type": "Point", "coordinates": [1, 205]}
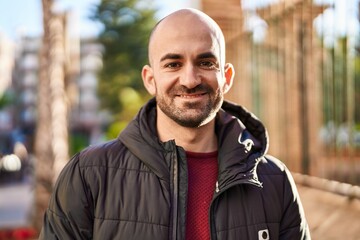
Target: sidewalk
{"type": "Point", "coordinates": [16, 204]}
{"type": "Point", "coordinates": [330, 216]}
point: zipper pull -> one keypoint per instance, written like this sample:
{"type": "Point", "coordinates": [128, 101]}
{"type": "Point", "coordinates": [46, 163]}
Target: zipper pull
{"type": "Point", "coordinates": [217, 187]}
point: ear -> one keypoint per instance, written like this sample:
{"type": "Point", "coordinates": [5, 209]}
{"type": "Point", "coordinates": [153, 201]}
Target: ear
{"type": "Point", "coordinates": [147, 75]}
{"type": "Point", "coordinates": [229, 76]}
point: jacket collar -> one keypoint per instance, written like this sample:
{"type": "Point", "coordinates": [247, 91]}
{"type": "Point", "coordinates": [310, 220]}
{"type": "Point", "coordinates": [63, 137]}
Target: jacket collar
{"type": "Point", "coordinates": [242, 141]}
{"type": "Point", "coordinates": [141, 139]}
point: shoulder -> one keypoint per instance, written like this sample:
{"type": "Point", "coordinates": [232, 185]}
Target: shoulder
{"type": "Point", "coordinates": [273, 170]}
{"type": "Point", "coordinates": [270, 165]}
{"type": "Point", "coordinates": [275, 176]}
{"type": "Point", "coordinates": [105, 158]}
{"type": "Point", "coordinates": [86, 168]}
{"type": "Point", "coordinates": [93, 157]}
{"type": "Point", "coordinates": [99, 154]}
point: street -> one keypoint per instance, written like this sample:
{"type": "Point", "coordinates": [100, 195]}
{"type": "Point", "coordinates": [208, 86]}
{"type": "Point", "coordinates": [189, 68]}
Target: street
{"type": "Point", "coordinates": [16, 204]}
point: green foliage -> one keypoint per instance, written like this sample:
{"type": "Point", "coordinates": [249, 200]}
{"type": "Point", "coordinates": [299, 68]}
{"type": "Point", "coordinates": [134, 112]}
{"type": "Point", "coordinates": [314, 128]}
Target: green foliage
{"type": "Point", "coordinates": [126, 27]}
{"type": "Point", "coordinates": [115, 128]}
{"type": "Point", "coordinates": [336, 80]}
{"type": "Point", "coordinates": [131, 101]}
{"type": "Point", "coordinates": [78, 141]}
{"type": "Point", "coordinates": [6, 99]}
{"type": "Point", "coordinates": [357, 86]}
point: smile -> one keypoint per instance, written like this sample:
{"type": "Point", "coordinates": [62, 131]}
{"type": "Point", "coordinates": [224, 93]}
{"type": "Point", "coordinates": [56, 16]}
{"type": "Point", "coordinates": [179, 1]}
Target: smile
{"type": "Point", "coordinates": [190, 96]}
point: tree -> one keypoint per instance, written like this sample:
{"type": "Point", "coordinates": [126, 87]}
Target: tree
{"type": "Point", "coordinates": [127, 25]}
{"type": "Point", "coordinates": [6, 99]}
{"type": "Point", "coordinates": [51, 141]}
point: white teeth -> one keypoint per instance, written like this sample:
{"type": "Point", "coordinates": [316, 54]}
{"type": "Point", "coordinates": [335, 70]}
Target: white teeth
{"type": "Point", "coordinates": [190, 96]}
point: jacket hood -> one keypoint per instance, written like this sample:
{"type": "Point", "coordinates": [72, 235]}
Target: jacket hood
{"type": "Point", "coordinates": [234, 122]}
{"type": "Point", "coordinates": [140, 137]}
{"type": "Point", "coordinates": [242, 140]}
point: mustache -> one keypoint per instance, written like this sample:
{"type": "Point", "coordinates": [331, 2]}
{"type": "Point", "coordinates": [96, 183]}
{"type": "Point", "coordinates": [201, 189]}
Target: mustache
{"type": "Point", "coordinates": [199, 88]}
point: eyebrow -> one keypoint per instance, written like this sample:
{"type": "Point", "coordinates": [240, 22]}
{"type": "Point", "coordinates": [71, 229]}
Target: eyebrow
{"type": "Point", "coordinates": [206, 55]}
{"type": "Point", "coordinates": [174, 56]}
{"type": "Point", "coordinates": [171, 56]}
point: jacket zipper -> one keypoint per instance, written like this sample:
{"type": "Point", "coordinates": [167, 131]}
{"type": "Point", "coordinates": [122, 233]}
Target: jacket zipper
{"type": "Point", "coordinates": [175, 196]}
{"type": "Point", "coordinates": [218, 193]}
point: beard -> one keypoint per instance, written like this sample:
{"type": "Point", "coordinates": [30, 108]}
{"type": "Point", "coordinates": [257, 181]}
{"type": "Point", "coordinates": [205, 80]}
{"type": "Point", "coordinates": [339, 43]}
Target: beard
{"type": "Point", "coordinates": [191, 114]}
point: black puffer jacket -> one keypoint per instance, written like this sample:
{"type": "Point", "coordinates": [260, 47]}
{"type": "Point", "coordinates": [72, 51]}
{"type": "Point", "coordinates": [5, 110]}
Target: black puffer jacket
{"type": "Point", "coordinates": [135, 187]}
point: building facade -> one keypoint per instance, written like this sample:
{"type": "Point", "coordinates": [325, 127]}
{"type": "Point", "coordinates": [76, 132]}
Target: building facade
{"type": "Point", "coordinates": [21, 79]}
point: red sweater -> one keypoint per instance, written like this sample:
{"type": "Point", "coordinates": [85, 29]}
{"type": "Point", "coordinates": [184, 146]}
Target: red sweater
{"type": "Point", "coordinates": [203, 173]}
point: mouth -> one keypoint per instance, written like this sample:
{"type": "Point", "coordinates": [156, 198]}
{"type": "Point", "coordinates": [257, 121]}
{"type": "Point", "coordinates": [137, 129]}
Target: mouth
{"type": "Point", "coordinates": [191, 96]}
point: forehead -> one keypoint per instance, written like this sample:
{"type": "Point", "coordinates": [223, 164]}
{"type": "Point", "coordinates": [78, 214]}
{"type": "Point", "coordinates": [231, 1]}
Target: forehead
{"type": "Point", "coordinates": [185, 33]}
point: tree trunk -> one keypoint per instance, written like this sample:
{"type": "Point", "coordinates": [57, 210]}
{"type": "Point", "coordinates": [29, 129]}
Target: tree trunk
{"type": "Point", "coordinates": [51, 142]}
{"type": "Point", "coordinates": [59, 100]}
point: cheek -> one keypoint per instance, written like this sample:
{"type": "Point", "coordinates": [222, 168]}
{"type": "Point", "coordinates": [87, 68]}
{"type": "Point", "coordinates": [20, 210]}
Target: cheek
{"type": "Point", "coordinates": [165, 82]}
{"type": "Point", "coordinates": [217, 81]}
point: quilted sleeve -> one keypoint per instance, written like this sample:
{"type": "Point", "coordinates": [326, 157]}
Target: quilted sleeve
{"type": "Point", "coordinates": [69, 214]}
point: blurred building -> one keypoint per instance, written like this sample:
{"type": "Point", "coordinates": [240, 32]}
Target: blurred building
{"type": "Point", "coordinates": [22, 80]}
{"type": "Point", "coordinates": [24, 84]}
{"type": "Point", "coordinates": [86, 119]}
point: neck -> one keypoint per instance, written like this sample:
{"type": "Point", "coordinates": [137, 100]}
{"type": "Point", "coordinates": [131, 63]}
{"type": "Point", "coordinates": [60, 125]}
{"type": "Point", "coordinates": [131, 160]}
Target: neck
{"type": "Point", "coordinates": [200, 139]}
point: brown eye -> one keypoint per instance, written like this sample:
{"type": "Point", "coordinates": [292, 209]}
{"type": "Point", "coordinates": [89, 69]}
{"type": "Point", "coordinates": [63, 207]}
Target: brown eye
{"type": "Point", "coordinates": [207, 65]}
{"type": "Point", "coordinates": [173, 65]}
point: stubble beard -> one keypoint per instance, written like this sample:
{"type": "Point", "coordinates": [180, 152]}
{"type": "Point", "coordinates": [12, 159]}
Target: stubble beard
{"type": "Point", "coordinates": [191, 114]}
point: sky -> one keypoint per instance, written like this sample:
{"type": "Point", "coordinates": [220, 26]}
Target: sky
{"type": "Point", "coordinates": [24, 17]}
{"type": "Point", "coordinates": [18, 17]}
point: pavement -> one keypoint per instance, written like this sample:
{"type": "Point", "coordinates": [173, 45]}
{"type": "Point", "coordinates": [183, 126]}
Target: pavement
{"type": "Point", "coordinates": [16, 203]}
{"type": "Point", "coordinates": [330, 216]}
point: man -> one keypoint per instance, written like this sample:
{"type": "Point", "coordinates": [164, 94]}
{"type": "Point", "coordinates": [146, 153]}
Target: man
{"type": "Point", "coordinates": [189, 166]}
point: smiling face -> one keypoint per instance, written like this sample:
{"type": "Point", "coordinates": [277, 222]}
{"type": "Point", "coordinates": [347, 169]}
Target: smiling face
{"type": "Point", "coordinates": [187, 74]}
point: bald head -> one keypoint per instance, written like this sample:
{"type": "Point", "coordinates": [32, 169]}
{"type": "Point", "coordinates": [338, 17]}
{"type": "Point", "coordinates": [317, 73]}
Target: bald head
{"type": "Point", "coordinates": [186, 21]}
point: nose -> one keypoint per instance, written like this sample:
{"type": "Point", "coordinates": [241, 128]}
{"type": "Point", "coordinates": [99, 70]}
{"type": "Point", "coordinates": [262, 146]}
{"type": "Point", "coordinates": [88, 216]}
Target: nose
{"type": "Point", "coordinates": [190, 77]}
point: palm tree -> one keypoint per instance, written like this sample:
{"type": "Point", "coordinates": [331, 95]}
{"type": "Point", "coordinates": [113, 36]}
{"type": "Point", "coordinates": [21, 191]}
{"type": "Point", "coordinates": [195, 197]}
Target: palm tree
{"type": "Point", "coordinates": [51, 141]}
